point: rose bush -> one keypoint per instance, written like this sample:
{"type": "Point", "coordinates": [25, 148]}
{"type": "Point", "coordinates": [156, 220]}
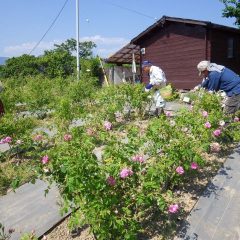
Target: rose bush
{"type": "Point", "coordinates": [119, 169]}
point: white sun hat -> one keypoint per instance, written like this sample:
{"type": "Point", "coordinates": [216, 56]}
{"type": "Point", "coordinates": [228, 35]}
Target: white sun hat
{"type": "Point", "coordinates": [202, 66]}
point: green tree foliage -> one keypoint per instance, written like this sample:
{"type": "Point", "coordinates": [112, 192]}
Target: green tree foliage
{"type": "Point", "coordinates": [232, 9]}
{"type": "Point", "coordinates": [85, 48]}
{"type": "Point", "coordinates": [59, 62]}
{"type": "Point", "coordinates": [25, 65]}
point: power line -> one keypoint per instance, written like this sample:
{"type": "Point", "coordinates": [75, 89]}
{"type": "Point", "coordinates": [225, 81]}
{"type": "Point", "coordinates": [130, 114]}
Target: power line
{"type": "Point", "coordinates": [49, 27]}
{"type": "Point", "coordinates": [131, 10]}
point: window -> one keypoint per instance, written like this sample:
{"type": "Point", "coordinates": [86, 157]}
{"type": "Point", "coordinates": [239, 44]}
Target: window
{"type": "Point", "coordinates": [230, 48]}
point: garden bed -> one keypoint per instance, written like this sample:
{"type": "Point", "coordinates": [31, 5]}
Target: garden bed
{"type": "Point", "coordinates": [150, 172]}
{"type": "Point", "coordinates": [188, 195]}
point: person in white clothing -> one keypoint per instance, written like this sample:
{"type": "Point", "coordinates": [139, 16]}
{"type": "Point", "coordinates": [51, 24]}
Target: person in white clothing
{"type": "Point", "coordinates": [157, 80]}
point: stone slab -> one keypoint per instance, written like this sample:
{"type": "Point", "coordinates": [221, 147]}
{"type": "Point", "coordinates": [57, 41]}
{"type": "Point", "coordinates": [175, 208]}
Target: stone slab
{"type": "Point", "coordinates": [28, 209]}
{"type": "Point", "coordinates": [4, 147]}
{"type": "Point", "coordinates": [175, 106]}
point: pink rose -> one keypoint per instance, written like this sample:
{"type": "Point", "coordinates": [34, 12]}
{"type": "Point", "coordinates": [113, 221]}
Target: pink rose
{"type": "Point", "coordinates": [180, 170]}
{"type": "Point", "coordinates": [38, 137]}
{"type": "Point", "coordinates": [168, 114]}
{"type": "Point", "coordinates": [194, 165]}
{"type": "Point", "coordinates": [215, 147]}
{"type": "Point", "coordinates": [125, 172]}
{"type": "Point", "coordinates": [6, 140]}
{"type": "Point", "coordinates": [173, 208]}
{"type": "Point", "coordinates": [111, 181]}
{"type": "Point", "coordinates": [207, 125]}
{"type": "Point", "coordinates": [236, 119]}
{"type": "Point", "coordinates": [107, 125]}
{"type": "Point", "coordinates": [204, 113]}
{"type": "Point", "coordinates": [67, 137]}
{"type": "Point", "coordinates": [217, 132]}
{"type": "Point", "coordinates": [138, 158]}
{"type": "Point", "coordinates": [45, 159]}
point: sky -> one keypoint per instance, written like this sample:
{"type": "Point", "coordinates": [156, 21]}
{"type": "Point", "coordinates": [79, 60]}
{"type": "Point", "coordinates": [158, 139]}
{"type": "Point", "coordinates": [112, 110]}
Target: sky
{"type": "Point", "coordinates": [32, 26]}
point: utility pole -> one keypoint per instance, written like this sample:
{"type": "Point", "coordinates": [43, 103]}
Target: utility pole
{"type": "Point", "coordinates": [77, 37]}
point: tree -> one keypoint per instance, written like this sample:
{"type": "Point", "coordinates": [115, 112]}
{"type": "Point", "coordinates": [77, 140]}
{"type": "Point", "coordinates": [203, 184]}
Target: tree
{"type": "Point", "coordinates": [25, 65]}
{"type": "Point", "coordinates": [85, 48]}
{"type": "Point", "coordinates": [232, 9]}
{"type": "Point", "coordinates": [57, 63]}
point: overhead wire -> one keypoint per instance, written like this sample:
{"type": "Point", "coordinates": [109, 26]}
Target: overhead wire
{"type": "Point", "coordinates": [55, 19]}
{"type": "Point", "coordinates": [131, 10]}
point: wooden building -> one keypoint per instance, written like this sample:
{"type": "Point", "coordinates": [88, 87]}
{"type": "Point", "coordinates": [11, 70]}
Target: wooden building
{"type": "Point", "coordinates": [177, 45]}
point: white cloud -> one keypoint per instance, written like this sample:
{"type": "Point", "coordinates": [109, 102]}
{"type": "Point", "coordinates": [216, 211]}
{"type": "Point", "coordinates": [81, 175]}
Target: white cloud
{"type": "Point", "coordinates": [105, 40]}
{"type": "Point", "coordinates": [106, 46]}
{"type": "Point", "coordinates": [25, 48]}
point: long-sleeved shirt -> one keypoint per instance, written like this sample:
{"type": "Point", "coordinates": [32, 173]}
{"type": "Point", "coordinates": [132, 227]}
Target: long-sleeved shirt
{"type": "Point", "coordinates": [156, 76]}
{"type": "Point", "coordinates": [226, 80]}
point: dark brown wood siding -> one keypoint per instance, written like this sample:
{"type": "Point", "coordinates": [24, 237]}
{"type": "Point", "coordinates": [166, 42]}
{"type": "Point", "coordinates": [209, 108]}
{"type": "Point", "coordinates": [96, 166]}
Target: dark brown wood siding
{"type": "Point", "coordinates": [177, 48]}
{"type": "Point", "coordinates": [219, 50]}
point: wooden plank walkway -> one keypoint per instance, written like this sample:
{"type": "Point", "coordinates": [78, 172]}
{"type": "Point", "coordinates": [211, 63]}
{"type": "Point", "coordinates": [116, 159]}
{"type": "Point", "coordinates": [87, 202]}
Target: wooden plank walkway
{"type": "Point", "coordinates": [28, 209]}
{"type": "Point", "coordinates": [216, 216]}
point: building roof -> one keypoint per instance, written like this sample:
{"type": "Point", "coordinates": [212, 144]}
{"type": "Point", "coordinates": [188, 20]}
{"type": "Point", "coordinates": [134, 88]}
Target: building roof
{"type": "Point", "coordinates": [164, 19]}
{"type": "Point", "coordinates": [124, 55]}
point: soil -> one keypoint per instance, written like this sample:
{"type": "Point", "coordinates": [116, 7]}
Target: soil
{"type": "Point", "coordinates": [188, 195]}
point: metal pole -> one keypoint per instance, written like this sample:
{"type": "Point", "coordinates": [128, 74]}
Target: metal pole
{"type": "Point", "coordinates": [77, 37]}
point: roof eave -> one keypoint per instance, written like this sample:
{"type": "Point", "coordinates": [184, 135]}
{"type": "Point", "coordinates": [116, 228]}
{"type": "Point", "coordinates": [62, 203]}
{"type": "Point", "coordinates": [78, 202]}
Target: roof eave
{"type": "Point", "coordinates": [164, 19]}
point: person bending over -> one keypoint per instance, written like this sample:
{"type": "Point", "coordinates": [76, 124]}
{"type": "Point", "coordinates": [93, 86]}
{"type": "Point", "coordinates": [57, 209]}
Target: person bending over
{"type": "Point", "coordinates": [220, 78]}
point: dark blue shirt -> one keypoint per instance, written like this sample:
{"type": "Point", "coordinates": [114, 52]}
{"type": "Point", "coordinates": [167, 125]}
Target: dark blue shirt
{"type": "Point", "coordinates": [227, 81]}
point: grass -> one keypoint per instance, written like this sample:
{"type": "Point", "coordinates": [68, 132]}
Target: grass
{"type": "Point", "coordinates": [15, 172]}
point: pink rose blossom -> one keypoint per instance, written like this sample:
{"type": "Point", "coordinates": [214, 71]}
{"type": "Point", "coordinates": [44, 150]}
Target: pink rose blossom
{"type": "Point", "coordinates": [194, 165]}
{"type": "Point", "coordinates": [38, 137]}
{"type": "Point", "coordinates": [107, 125]}
{"type": "Point", "coordinates": [125, 172]}
{"type": "Point", "coordinates": [204, 113]}
{"type": "Point", "coordinates": [6, 140]}
{"type": "Point", "coordinates": [67, 137]}
{"type": "Point", "coordinates": [180, 170]}
{"type": "Point", "coordinates": [207, 125]}
{"type": "Point", "coordinates": [168, 114]}
{"type": "Point", "coordinates": [45, 159]}
{"type": "Point", "coordinates": [173, 208]}
{"type": "Point", "coordinates": [111, 181]}
{"type": "Point", "coordinates": [236, 119]}
{"type": "Point", "coordinates": [138, 158]}
{"type": "Point", "coordinates": [217, 132]}
{"type": "Point", "coordinates": [215, 147]}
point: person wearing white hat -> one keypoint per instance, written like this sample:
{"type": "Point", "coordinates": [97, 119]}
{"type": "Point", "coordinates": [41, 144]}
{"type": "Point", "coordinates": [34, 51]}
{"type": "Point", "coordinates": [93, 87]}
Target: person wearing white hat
{"type": "Point", "coordinates": [220, 78]}
{"type": "Point", "coordinates": [157, 80]}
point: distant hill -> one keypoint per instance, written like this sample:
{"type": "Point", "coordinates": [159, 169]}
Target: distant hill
{"type": "Point", "coordinates": [2, 60]}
